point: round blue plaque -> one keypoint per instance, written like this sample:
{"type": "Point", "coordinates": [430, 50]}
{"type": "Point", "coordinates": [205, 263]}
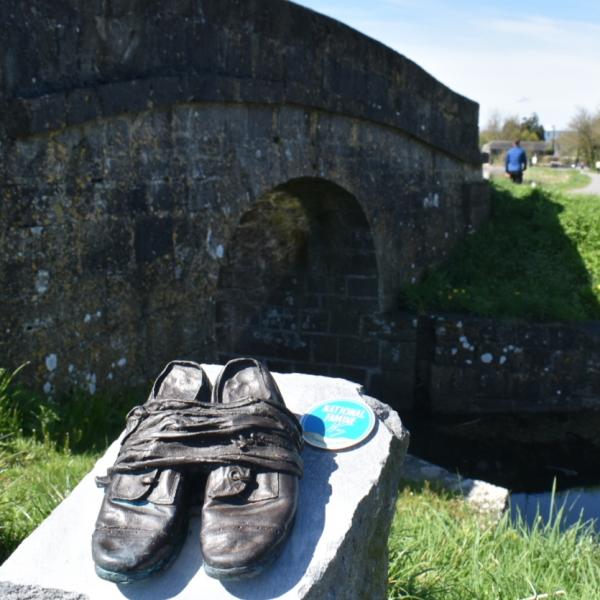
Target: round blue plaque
{"type": "Point", "coordinates": [338, 424]}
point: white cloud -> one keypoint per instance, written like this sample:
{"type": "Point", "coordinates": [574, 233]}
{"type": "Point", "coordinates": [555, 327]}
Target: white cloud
{"type": "Point", "coordinates": [542, 29]}
{"type": "Point", "coordinates": [533, 27]}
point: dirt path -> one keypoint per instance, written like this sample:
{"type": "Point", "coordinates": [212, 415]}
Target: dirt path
{"type": "Point", "coordinates": [593, 187]}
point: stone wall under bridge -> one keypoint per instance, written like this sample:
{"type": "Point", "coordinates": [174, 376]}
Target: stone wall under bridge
{"type": "Point", "coordinates": [299, 288]}
{"type": "Point", "coordinates": [204, 178]}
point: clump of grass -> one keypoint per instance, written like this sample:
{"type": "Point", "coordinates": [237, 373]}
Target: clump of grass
{"type": "Point", "coordinates": [440, 549]}
{"type": "Point", "coordinates": [77, 420]}
{"type": "Point", "coordinates": [11, 401]}
{"type": "Point", "coordinates": [81, 421]}
{"type": "Point", "coordinates": [537, 258]}
{"type": "Point", "coordinates": [46, 446]}
{"type": "Point", "coordinates": [34, 478]}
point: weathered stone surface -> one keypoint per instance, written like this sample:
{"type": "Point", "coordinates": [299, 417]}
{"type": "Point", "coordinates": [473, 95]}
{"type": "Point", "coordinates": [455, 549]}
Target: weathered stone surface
{"type": "Point", "coordinates": [338, 547]}
{"type": "Point", "coordinates": [510, 366]}
{"type": "Point", "coordinates": [137, 141]}
{"type": "Point", "coordinates": [15, 591]}
{"type": "Point", "coordinates": [83, 60]}
{"type": "Point", "coordinates": [489, 499]}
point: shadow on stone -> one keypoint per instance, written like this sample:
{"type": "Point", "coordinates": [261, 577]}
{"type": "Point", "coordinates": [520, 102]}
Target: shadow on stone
{"type": "Point", "coordinates": [175, 578]}
{"type": "Point", "coordinates": [297, 553]}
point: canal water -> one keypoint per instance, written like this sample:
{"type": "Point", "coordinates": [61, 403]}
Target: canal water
{"type": "Point", "coordinates": [575, 503]}
{"type": "Point", "coordinates": [530, 454]}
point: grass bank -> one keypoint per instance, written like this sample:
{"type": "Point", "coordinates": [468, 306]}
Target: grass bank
{"type": "Point", "coordinates": [440, 549]}
{"type": "Point", "coordinates": [34, 478]}
{"type": "Point", "coordinates": [46, 447]}
{"type": "Point", "coordinates": [537, 258]}
{"type": "Point", "coordinates": [561, 180]}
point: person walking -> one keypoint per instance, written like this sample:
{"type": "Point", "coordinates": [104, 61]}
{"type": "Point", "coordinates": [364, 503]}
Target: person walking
{"type": "Point", "coordinates": [516, 162]}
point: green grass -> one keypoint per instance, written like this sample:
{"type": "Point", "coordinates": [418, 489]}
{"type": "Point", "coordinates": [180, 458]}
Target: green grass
{"type": "Point", "coordinates": [440, 549]}
{"type": "Point", "coordinates": [34, 478]}
{"type": "Point", "coordinates": [538, 258]}
{"type": "Point", "coordinates": [46, 446]}
{"type": "Point", "coordinates": [558, 179]}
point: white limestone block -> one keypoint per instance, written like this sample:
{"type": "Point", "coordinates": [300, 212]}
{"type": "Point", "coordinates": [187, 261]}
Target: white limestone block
{"type": "Point", "coordinates": [337, 549]}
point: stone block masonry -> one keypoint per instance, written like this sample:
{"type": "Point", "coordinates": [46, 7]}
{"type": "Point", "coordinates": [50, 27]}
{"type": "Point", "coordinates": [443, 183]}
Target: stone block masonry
{"type": "Point", "coordinates": [495, 366]}
{"type": "Point", "coordinates": [81, 61]}
{"type": "Point", "coordinates": [137, 141]}
{"type": "Point", "coordinates": [308, 300]}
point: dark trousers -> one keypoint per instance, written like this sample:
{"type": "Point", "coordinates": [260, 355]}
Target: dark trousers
{"type": "Point", "coordinates": [516, 176]}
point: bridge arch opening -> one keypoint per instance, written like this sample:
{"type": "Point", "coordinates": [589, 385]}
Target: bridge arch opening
{"type": "Point", "coordinates": [299, 281]}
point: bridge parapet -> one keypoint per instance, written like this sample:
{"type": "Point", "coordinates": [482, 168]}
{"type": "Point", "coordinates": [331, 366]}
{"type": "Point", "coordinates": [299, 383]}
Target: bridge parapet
{"type": "Point", "coordinates": [69, 62]}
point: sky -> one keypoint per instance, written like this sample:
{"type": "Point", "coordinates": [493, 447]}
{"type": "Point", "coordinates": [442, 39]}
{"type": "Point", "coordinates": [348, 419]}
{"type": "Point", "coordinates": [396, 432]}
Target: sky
{"type": "Point", "coordinates": [511, 57]}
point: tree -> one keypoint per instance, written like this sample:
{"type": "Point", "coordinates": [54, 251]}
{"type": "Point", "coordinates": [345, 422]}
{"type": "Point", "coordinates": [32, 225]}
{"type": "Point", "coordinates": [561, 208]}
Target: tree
{"type": "Point", "coordinates": [492, 128]}
{"type": "Point", "coordinates": [532, 126]}
{"type": "Point", "coordinates": [567, 145]}
{"type": "Point", "coordinates": [511, 128]}
{"type": "Point", "coordinates": [586, 133]}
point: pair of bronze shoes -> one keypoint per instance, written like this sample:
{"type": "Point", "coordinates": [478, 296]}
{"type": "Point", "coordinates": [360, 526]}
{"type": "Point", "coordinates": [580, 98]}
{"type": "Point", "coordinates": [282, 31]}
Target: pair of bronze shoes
{"type": "Point", "coordinates": [236, 440]}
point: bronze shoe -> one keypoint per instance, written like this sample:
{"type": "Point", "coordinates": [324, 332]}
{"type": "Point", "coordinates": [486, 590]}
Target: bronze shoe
{"type": "Point", "coordinates": [142, 520]}
{"type": "Point", "coordinates": [248, 511]}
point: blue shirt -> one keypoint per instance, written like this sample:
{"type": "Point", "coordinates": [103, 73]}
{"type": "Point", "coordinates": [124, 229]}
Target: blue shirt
{"type": "Point", "coordinates": [516, 160]}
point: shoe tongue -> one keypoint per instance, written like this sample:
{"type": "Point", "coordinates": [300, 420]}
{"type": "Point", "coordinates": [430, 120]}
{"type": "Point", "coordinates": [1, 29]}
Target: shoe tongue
{"type": "Point", "coordinates": [246, 383]}
{"type": "Point", "coordinates": [181, 383]}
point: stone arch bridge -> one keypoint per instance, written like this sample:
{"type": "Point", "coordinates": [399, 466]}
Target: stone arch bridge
{"type": "Point", "coordinates": [204, 178]}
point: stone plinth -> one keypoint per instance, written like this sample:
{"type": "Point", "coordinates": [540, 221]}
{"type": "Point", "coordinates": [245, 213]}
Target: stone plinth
{"type": "Point", "coordinates": [338, 547]}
